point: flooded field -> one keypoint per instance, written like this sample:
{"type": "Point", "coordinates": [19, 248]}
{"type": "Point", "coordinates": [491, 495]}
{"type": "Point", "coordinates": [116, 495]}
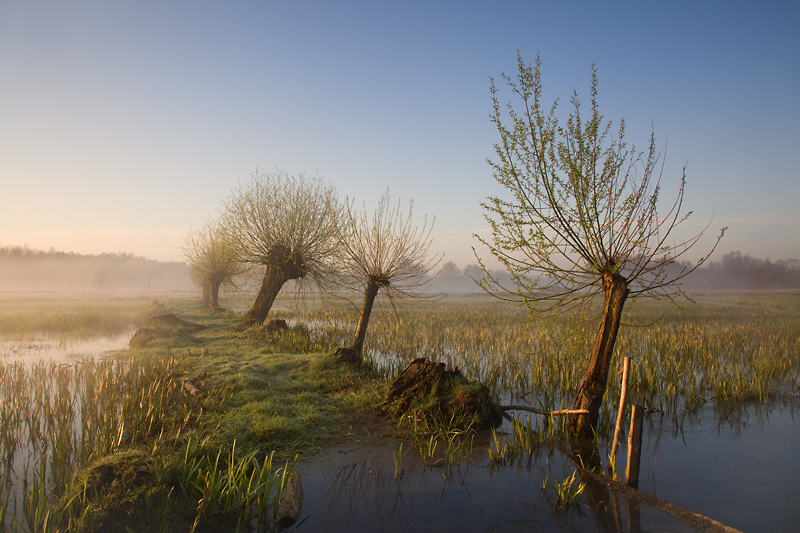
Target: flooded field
{"type": "Point", "coordinates": [27, 350]}
{"type": "Point", "coordinates": [740, 469]}
{"type": "Point", "coordinates": [719, 383]}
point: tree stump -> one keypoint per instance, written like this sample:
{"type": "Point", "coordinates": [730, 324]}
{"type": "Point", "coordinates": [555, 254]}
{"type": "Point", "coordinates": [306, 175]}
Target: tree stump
{"type": "Point", "coordinates": [275, 325]}
{"type": "Point", "coordinates": [348, 355]}
{"type": "Point", "coordinates": [418, 378]}
{"type": "Point", "coordinates": [454, 394]}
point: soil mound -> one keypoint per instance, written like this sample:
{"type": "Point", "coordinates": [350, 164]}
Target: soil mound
{"type": "Point", "coordinates": [429, 388]}
{"type": "Point", "coordinates": [166, 326]}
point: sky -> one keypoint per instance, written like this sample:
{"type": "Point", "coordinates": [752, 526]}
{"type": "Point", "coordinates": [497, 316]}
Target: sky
{"type": "Point", "coordinates": [124, 123]}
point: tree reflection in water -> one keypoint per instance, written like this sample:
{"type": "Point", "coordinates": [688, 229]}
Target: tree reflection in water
{"type": "Point", "coordinates": [365, 489]}
{"type": "Point", "coordinates": [364, 495]}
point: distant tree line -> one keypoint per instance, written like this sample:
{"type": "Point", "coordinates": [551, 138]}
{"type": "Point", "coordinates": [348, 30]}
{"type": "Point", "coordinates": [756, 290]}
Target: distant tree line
{"type": "Point", "coordinates": [734, 272]}
{"type": "Point", "coordinates": [452, 279]}
{"type": "Point", "coordinates": [737, 271]}
{"type": "Point", "coordinates": [26, 269]}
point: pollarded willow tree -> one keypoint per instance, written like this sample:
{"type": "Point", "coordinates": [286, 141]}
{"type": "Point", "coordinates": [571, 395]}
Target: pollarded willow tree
{"type": "Point", "coordinates": [288, 225]}
{"type": "Point", "coordinates": [213, 260]}
{"type": "Point", "coordinates": [581, 222]}
{"type": "Point", "coordinates": [384, 253]}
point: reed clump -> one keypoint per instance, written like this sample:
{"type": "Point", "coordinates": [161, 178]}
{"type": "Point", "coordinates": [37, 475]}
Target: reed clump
{"type": "Point", "coordinates": [59, 419]}
{"type": "Point", "coordinates": [73, 316]}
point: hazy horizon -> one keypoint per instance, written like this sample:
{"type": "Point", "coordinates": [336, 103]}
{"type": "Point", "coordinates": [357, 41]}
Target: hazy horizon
{"type": "Point", "coordinates": [25, 269]}
{"type": "Point", "coordinates": [125, 123]}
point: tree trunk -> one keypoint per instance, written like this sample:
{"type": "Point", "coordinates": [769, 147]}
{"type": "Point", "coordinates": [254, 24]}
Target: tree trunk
{"type": "Point", "coordinates": [214, 296]}
{"type": "Point", "coordinates": [270, 287]}
{"type": "Point", "coordinates": [593, 385]}
{"type": "Point", "coordinates": [361, 331]}
{"type": "Point", "coordinates": [282, 265]}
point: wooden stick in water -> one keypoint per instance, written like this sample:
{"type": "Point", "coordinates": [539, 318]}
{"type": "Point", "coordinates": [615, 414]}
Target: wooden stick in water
{"type": "Point", "coordinates": [623, 396]}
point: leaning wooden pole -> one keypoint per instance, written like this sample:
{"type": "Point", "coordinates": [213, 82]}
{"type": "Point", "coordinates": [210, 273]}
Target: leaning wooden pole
{"type": "Point", "coordinates": [622, 397]}
{"type": "Point", "coordinates": [693, 519]}
{"type": "Point", "coordinates": [634, 446]}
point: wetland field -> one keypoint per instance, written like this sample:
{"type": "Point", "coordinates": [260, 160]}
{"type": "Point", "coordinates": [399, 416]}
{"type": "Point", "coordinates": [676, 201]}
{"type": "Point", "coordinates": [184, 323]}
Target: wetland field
{"type": "Point", "coordinates": [97, 436]}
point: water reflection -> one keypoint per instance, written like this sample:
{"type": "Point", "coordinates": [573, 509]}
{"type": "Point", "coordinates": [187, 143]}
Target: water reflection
{"type": "Point", "coordinates": [369, 489]}
{"type": "Point", "coordinates": [736, 465]}
{"type": "Point", "coordinates": [364, 495]}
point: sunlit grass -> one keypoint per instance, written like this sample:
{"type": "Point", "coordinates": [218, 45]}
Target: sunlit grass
{"type": "Point", "coordinates": [682, 358]}
{"type": "Point", "coordinates": [76, 315]}
{"type": "Point", "coordinates": [59, 418]}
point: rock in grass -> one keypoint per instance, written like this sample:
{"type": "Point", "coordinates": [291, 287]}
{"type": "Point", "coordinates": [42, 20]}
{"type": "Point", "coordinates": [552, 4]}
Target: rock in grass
{"type": "Point", "coordinates": [290, 507]}
{"type": "Point", "coordinates": [190, 387]}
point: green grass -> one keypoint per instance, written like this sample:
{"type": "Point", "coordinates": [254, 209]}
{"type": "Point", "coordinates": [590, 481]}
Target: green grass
{"type": "Point", "coordinates": [682, 358]}
{"type": "Point", "coordinates": [104, 443]}
{"type": "Point", "coordinates": [73, 315]}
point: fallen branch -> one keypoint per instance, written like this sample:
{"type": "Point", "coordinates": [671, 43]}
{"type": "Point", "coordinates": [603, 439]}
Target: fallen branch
{"type": "Point", "coordinates": [687, 516]}
{"type": "Point", "coordinates": [542, 411]}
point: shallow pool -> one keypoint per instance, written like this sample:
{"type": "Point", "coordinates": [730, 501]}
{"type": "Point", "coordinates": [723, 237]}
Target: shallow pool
{"type": "Point", "coordinates": [739, 468]}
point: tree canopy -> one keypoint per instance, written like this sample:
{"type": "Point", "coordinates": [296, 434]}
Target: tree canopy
{"type": "Point", "coordinates": [212, 259]}
{"type": "Point", "coordinates": [287, 224]}
{"type": "Point", "coordinates": [582, 219]}
{"type": "Point", "coordinates": [385, 253]}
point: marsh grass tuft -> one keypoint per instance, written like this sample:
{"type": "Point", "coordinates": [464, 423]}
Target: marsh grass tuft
{"type": "Point", "coordinates": [397, 459]}
{"type": "Point", "coordinates": [564, 495]}
{"type": "Point", "coordinates": [454, 437]}
{"type": "Point", "coordinates": [60, 418]}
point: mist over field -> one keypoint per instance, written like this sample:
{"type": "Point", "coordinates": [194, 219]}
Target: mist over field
{"type": "Point", "coordinates": [24, 269]}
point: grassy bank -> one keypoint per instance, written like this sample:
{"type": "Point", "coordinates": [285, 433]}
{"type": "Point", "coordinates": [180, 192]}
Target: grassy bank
{"type": "Point", "coordinates": [104, 445]}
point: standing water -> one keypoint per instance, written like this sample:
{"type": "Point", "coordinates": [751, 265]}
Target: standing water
{"type": "Point", "coordinates": [59, 349]}
{"type": "Point", "coordinates": [739, 468]}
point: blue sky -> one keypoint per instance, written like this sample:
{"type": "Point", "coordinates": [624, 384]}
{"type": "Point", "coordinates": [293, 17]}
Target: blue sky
{"type": "Point", "coordinates": [123, 122]}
